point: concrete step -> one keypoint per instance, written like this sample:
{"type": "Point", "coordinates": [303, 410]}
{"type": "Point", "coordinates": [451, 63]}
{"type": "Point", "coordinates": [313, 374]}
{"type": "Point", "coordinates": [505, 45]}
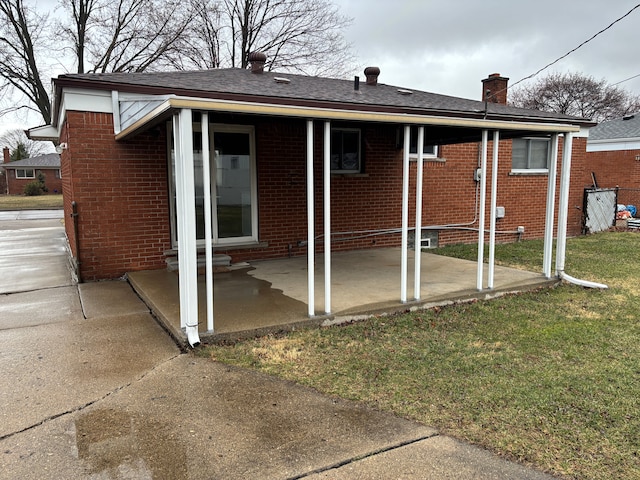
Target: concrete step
{"type": "Point", "coordinates": [219, 260]}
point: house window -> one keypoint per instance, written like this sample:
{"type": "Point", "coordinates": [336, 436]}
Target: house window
{"type": "Point", "coordinates": [530, 155]}
{"type": "Point", "coordinates": [428, 151]}
{"type": "Point", "coordinates": [25, 173]}
{"type": "Point", "coordinates": [345, 150]}
{"type": "Point", "coordinates": [58, 174]}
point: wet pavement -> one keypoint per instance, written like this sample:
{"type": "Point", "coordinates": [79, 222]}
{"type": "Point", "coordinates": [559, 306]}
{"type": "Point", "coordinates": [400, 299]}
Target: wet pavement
{"type": "Point", "coordinates": [92, 388]}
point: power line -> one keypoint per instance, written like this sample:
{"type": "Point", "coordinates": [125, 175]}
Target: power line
{"type": "Point", "coordinates": [576, 48]}
{"type": "Point", "coordinates": [625, 80]}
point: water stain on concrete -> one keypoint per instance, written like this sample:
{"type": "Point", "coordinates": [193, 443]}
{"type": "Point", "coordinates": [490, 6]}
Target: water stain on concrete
{"type": "Point", "coordinates": [116, 444]}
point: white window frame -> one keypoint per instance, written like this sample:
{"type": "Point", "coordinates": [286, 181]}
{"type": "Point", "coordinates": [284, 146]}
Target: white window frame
{"type": "Point", "coordinates": [24, 175]}
{"type": "Point", "coordinates": [425, 155]}
{"type": "Point", "coordinates": [217, 127]}
{"type": "Point", "coordinates": [359, 132]}
{"type": "Point", "coordinates": [528, 157]}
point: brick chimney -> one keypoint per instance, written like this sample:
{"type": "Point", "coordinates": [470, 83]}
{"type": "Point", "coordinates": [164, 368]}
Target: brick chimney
{"type": "Point", "coordinates": [257, 61]}
{"type": "Point", "coordinates": [494, 89]}
{"type": "Point", "coordinates": [6, 155]}
{"type": "Point", "coordinates": [372, 75]}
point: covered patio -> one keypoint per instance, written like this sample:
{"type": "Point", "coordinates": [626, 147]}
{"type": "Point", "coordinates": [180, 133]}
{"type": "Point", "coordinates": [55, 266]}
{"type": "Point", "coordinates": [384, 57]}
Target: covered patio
{"type": "Point", "coordinates": [271, 296]}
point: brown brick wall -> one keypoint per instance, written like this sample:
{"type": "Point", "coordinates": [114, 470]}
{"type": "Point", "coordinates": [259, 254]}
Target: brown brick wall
{"type": "Point", "coordinates": [121, 192]}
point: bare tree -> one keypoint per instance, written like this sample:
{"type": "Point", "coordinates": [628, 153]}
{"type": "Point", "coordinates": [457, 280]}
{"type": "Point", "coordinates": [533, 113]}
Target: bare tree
{"type": "Point", "coordinates": [126, 35]}
{"type": "Point", "coordinates": [304, 36]}
{"type": "Point", "coordinates": [22, 147]}
{"type": "Point", "coordinates": [578, 95]}
{"type": "Point", "coordinates": [21, 33]}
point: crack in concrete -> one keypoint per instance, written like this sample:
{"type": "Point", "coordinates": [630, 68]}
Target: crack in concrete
{"type": "Point", "coordinates": [362, 457]}
{"type": "Point", "coordinates": [92, 402]}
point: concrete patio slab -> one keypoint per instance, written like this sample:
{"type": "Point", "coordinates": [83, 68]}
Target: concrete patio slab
{"type": "Point", "coordinates": [272, 295]}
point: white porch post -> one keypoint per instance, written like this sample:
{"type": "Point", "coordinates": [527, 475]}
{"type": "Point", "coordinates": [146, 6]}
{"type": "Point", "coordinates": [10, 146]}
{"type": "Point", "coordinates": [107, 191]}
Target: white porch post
{"type": "Point", "coordinates": [550, 215]}
{"type": "Point", "coordinates": [494, 199]}
{"type": "Point", "coordinates": [208, 219]}
{"type": "Point", "coordinates": [563, 207]}
{"type": "Point", "coordinates": [327, 217]}
{"type": "Point", "coordinates": [185, 199]}
{"type": "Point", "coordinates": [310, 222]}
{"type": "Point", "coordinates": [483, 206]}
{"type": "Point", "coordinates": [418, 231]}
{"type": "Point", "coordinates": [405, 214]}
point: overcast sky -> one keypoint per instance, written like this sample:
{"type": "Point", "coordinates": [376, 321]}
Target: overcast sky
{"type": "Point", "coordinates": [449, 46]}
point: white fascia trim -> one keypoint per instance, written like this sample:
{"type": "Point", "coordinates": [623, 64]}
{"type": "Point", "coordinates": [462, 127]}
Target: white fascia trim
{"type": "Point", "coordinates": [44, 133]}
{"type": "Point", "coordinates": [613, 145]}
{"type": "Point", "coordinates": [338, 114]}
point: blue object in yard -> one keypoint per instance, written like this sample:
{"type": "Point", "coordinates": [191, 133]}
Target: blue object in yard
{"type": "Point", "coordinates": [632, 210]}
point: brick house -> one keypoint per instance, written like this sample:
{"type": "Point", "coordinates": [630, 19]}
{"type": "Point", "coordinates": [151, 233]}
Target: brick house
{"type": "Point", "coordinates": [613, 155]}
{"type": "Point", "coordinates": [260, 165]}
{"type": "Point", "coordinates": [21, 172]}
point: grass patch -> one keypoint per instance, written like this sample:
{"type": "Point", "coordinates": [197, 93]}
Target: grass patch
{"type": "Point", "coordinates": [22, 202]}
{"type": "Point", "coordinates": [550, 378]}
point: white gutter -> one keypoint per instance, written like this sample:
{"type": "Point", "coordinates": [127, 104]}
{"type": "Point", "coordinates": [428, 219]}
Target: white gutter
{"type": "Point", "coordinates": [563, 213]}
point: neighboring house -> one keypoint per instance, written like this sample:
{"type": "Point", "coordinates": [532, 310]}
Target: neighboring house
{"type": "Point", "coordinates": [286, 152]}
{"type": "Point", "coordinates": [613, 156]}
{"type": "Point", "coordinates": [21, 172]}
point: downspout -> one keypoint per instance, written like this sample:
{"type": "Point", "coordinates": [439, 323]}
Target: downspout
{"type": "Point", "coordinates": [563, 213]}
{"type": "Point", "coordinates": [74, 216]}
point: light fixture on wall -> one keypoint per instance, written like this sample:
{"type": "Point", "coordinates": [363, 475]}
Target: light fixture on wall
{"type": "Point", "coordinates": [637, 158]}
{"type": "Point", "coordinates": [61, 147]}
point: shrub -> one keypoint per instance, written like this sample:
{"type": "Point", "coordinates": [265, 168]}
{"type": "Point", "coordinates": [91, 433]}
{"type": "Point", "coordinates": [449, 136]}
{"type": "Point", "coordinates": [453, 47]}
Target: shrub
{"type": "Point", "coordinates": [32, 189]}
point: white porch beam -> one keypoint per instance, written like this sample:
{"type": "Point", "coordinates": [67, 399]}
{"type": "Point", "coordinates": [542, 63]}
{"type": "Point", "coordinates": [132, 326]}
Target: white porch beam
{"type": "Point", "coordinates": [483, 206]}
{"type": "Point", "coordinates": [494, 200]}
{"type": "Point", "coordinates": [563, 207]}
{"type": "Point", "coordinates": [310, 222]}
{"type": "Point", "coordinates": [208, 219]}
{"type": "Point", "coordinates": [550, 214]}
{"type": "Point", "coordinates": [327, 217]}
{"type": "Point", "coordinates": [405, 214]}
{"type": "Point", "coordinates": [187, 249]}
{"type": "Point", "coordinates": [418, 231]}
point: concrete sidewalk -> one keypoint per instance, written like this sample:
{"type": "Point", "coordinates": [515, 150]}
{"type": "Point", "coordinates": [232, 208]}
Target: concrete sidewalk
{"type": "Point", "coordinates": [96, 389]}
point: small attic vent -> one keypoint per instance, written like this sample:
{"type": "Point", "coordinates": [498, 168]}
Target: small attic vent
{"type": "Point", "coordinates": [281, 80]}
{"type": "Point", "coordinates": [403, 91]}
{"type": "Point", "coordinates": [628, 117]}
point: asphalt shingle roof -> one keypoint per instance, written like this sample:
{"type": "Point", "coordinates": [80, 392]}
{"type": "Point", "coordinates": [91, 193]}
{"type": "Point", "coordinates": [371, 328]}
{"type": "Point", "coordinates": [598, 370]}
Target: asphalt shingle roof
{"type": "Point", "coordinates": [50, 160]}
{"type": "Point", "coordinates": [626, 127]}
{"type": "Point", "coordinates": [300, 88]}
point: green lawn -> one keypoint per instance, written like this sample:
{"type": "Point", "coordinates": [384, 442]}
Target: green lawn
{"type": "Point", "coordinates": [21, 202]}
{"type": "Point", "coordinates": [550, 378]}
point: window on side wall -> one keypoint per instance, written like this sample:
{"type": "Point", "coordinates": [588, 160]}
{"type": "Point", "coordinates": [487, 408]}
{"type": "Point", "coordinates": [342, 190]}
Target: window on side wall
{"type": "Point", "coordinates": [25, 173]}
{"type": "Point", "coordinates": [428, 151]}
{"type": "Point", "coordinates": [530, 155]}
{"type": "Point", "coordinates": [345, 150]}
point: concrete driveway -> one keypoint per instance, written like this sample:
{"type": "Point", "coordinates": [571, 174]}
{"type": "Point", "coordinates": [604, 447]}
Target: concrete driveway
{"type": "Point", "coordinates": [92, 388]}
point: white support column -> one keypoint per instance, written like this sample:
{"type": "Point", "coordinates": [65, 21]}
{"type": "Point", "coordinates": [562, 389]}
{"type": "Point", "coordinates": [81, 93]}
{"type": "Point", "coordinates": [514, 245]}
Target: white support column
{"type": "Point", "coordinates": [550, 215]}
{"type": "Point", "coordinates": [483, 207]}
{"type": "Point", "coordinates": [418, 231]}
{"type": "Point", "coordinates": [327, 217]}
{"type": "Point", "coordinates": [208, 219]}
{"type": "Point", "coordinates": [310, 222]}
{"type": "Point", "coordinates": [494, 200]}
{"type": "Point", "coordinates": [405, 214]}
{"type": "Point", "coordinates": [563, 207]}
{"type": "Point", "coordinates": [187, 250]}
